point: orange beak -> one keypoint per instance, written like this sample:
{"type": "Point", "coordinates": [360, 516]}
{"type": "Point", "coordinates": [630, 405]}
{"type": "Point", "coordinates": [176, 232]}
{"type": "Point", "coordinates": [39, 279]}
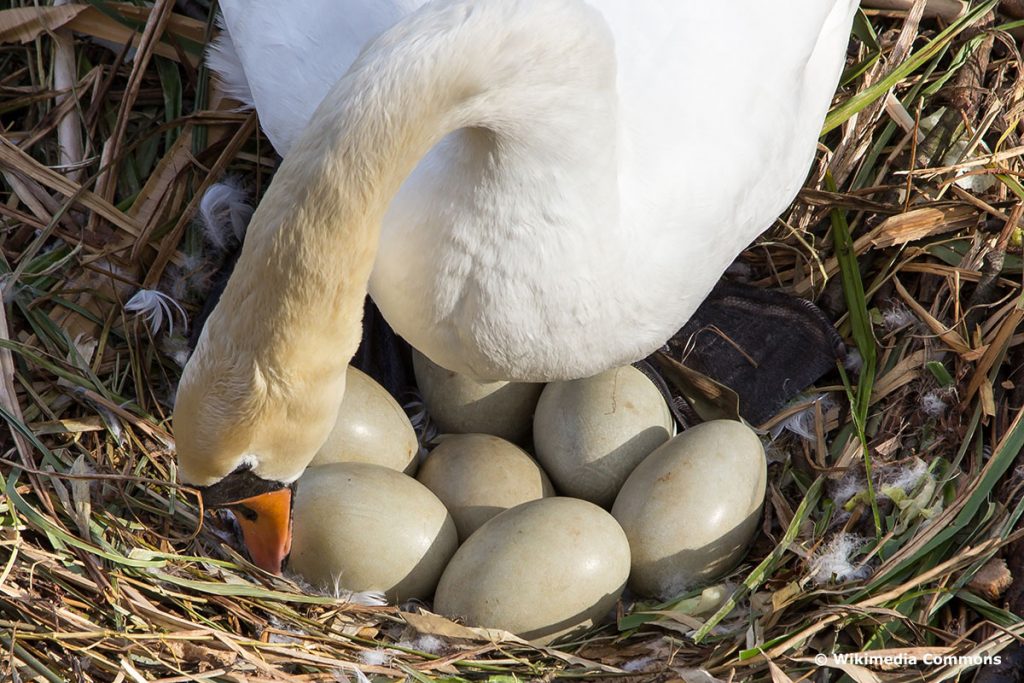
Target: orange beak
{"type": "Point", "coordinates": [266, 522]}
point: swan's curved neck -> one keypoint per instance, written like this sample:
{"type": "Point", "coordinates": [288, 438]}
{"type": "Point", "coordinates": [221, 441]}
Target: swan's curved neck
{"type": "Point", "coordinates": [295, 300]}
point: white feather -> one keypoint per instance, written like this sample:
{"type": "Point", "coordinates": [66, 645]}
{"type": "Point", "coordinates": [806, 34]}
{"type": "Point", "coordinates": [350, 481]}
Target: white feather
{"type": "Point", "coordinates": [425, 643]}
{"type": "Point", "coordinates": [802, 423]}
{"type": "Point", "coordinates": [897, 316]}
{"type": "Point", "coordinates": [224, 213]}
{"type": "Point", "coordinates": [933, 404]}
{"type": "Point", "coordinates": [156, 307]}
{"type": "Point", "coordinates": [378, 657]}
{"type": "Point", "coordinates": [835, 561]}
{"type": "Point", "coordinates": [904, 479]}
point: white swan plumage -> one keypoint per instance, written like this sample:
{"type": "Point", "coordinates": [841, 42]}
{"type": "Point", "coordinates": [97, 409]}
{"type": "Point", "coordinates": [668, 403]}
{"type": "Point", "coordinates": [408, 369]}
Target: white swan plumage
{"type": "Point", "coordinates": [530, 189]}
{"type": "Point", "coordinates": [505, 252]}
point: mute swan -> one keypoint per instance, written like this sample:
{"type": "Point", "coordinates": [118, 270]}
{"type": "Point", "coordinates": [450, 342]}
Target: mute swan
{"type": "Point", "coordinates": [531, 190]}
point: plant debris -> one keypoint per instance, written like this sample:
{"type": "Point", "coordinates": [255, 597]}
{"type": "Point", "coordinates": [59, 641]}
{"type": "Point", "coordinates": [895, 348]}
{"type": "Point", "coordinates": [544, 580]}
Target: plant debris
{"type": "Point", "coordinates": [111, 133]}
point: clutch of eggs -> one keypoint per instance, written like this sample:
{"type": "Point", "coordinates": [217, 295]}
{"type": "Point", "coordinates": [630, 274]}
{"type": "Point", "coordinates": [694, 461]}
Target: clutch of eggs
{"type": "Point", "coordinates": [536, 565]}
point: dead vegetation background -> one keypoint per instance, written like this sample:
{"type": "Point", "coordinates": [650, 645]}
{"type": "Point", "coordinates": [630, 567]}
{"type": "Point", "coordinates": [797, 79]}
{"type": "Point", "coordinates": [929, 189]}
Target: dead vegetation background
{"type": "Point", "coordinates": [892, 522]}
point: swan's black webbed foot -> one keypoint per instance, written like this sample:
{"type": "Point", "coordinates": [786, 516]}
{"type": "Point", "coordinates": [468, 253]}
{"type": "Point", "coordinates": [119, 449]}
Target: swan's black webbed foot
{"type": "Point", "coordinates": [765, 345]}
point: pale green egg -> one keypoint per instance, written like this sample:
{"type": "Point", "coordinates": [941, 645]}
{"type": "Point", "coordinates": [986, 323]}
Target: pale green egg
{"type": "Point", "coordinates": [591, 433]}
{"type": "Point", "coordinates": [460, 405]}
{"type": "Point", "coordinates": [371, 428]}
{"type": "Point", "coordinates": [541, 570]}
{"type": "Point", "coordinates": [477, 476]}
{"type": "Point", "coordinates": [369, 528]}
{"type": "Point", "coordinates": [692, 507]}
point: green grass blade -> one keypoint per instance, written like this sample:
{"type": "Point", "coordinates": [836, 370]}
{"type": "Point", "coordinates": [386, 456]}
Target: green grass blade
{"type": "Point", "coordinates": [861, 100]}
{"type": "Point", "coordinates": [863, 336]}
{"type": "Point", "coordinates": [761, 572]}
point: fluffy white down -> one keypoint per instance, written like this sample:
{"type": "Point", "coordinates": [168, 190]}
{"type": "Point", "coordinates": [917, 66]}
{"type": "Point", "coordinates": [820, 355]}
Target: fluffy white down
{"type": "Point", "coordinates": [513, 259]}
{"type": "Point", "coordinates": [224, 213]}
{"type": "Point", "coordinates": [835, 561]}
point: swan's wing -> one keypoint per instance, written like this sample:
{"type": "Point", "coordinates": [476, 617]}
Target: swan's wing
{"type": "Point", "coordinates": [713, 83]}
{"type": "Point", "coordinates": [282, 57]}
{"type": "Point", "coordinates": [721, 105]}
{"type": "Point", "coordinates": [689, 72]}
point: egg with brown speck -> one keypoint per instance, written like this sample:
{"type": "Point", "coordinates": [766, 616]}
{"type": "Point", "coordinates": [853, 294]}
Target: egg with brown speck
{"type": "Point", "coordinates": [691, 508]}
{"type": "Point", "coordinates": [369, 528]}
{"type": "Point", "coordinates": [590, 433]}
{"type": "Point", "coordinates": [371, 428]}
{"type": "Point", "coordinates": [477, 476]}
{"type": "Point", "coordinates": [541, 570]}
{"type": "Point", "coordinates": [460, 405]}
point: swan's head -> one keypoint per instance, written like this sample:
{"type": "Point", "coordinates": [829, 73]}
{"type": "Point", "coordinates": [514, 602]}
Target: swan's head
{"type": "Point", "coordinates": [243, 436]}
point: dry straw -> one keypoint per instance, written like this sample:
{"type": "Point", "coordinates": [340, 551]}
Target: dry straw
{"type": "Point", "coordinates": [111, 131]}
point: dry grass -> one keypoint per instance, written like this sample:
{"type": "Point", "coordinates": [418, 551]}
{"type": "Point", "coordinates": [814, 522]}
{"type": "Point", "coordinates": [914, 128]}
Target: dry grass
{"type": "Point", "coordinates": [107, 572]}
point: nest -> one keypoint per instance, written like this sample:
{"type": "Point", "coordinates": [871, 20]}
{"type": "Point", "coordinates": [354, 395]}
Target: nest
{"type": "Point", "coordinates": [894, 490]}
